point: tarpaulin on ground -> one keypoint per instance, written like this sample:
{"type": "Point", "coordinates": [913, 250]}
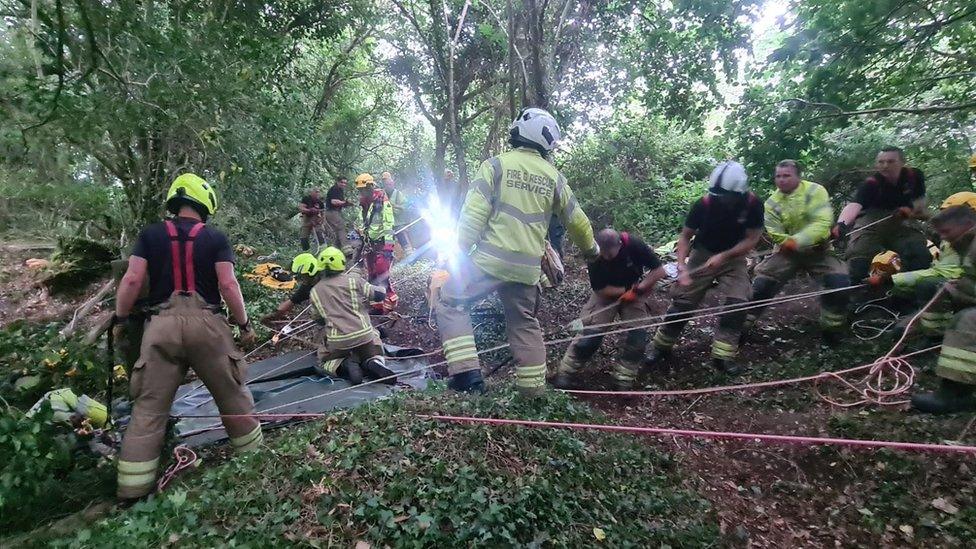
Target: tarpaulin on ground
{"type": "Point", "coordinates": [288, 384]}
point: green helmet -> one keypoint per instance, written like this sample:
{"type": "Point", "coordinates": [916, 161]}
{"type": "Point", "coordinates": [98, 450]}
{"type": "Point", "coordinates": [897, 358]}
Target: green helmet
{"type": "Point", "coordinates": [305, 264]}
{"type": "Point", "coordinates": [191, 189]}
{"type": "Point", "coordinates": [332, 260]}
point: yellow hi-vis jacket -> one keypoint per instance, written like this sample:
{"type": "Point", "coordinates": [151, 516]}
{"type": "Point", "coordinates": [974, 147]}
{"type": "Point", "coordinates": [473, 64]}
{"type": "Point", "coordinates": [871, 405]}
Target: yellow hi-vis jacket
{"type": "Point", "coordinates": [947, 267]}
{"type": "Point", "coordinates": [804, 215]}
{"type": "Point", "coordinates": [399, 202]}
{"type": "Point", "coordinates": [380, 225]}
{"type": "Point", "coordinates": [506, 214]}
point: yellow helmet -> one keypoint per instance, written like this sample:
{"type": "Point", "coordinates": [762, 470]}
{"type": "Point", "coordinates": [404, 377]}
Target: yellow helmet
{"type": "Point", "coordinates": [363, 180]}
{"type": "Point", "coordinates": [964, 198]}
{"type": "Point", "coordinates": [332, 260]}
{"type": "Point", "coordinates": [386, 176]}
{"type": "Point", "coordinates": [193, 189]}
{"type": "Point", "coordinates": [886, 263]}
{"type": "Point", "coordinates": [305, 264]}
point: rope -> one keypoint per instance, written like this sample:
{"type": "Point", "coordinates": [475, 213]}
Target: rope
{"type": "Point", "coordinates": [779, 439]}
{"type": "Point", "coordinates": [185, 458]}
{"type": "Point", "coordinates": [873, 223]}
{"type": "Point", "coordinates": [889, 377]}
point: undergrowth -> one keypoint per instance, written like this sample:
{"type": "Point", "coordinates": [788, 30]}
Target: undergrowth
{"type": "Point", "coordinates": [384, 475]}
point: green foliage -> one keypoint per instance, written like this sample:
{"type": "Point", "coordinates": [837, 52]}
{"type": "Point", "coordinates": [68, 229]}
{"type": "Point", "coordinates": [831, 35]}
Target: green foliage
{"type": "Point", "coordinates": [30, 350]}
{"type": "Point", "coordinates": [41, 475]}
{"type": "Point", "coordinates": [384, 475]}
{"type": "Point", "coordinates": [642, 175]}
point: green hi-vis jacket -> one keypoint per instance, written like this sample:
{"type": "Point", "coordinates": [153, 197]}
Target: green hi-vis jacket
{"type": "Point", "coordinates": [949, 266]}
{"type": "Point", "coordinates": [399, 201]}
{"type": "Point", "coordinates": [804, 215]}
{"type": "Point", "coordinates": [506, 214]}
{"type": "Point", "coordinates": [380, 224]}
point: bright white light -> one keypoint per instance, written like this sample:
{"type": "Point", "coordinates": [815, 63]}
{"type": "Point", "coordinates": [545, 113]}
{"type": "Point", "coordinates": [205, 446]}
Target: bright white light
{"type": "Point", "coordinates": [443, 231]}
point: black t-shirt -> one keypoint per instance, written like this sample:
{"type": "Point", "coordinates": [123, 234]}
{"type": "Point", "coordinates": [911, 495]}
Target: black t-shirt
{"type": "Point", "coordinates": [209, 247]}
{"type": "Point", "coordinates": [335, 193]}
{"type": "Point", "coordinates": [313, 202]}
{"type": "Point", "coordinates": [721, 226]}
{"type": "Point", "coordinates": [624, 270]}
{"type": "Point", "coordinates": [878, 193]}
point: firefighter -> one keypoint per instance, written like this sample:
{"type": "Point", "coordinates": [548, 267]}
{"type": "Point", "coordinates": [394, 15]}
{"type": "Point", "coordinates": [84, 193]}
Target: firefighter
{"type": "Point", "coordinates": [726, 225]}
{"type": "Point", "coordinates": [400, 204]}
{"type": "Point", "coordinates": [190, 267]}
{"type": "Point", "coordinates": [379, 246]}
{"type": "Point", "coordinates": [305, 267]}
{"type": "Point", "coordinates": [501, 234]}
{"type": "Point", "coordinates": [340, 300]}
{"type": "Point", "coordinates": [893, 197]}
{"type": "Point", "coordinates": [798, 219]}
{"type": "Point", "coordinates": [957, 359]}
{"type": "Point", "coordinates": [621, 279]}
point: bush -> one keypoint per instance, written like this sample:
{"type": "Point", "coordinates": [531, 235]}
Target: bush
{"type": "Point", "coordinates": [642, 176]}
{"type": "Point", "coordinates": [381, 474]}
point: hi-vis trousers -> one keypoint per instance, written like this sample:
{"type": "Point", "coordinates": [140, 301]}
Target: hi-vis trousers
{"type": "Point", "coordinates": [731, 280]}
{"type": "Point", "coordinates": [453, 311]}
{"type": "Point", "coordinates": [957, 360]}
{"type": "Point", "coordinates": [183, 335]}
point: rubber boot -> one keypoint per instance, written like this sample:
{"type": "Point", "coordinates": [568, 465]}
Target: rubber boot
{"type": "Point", "coordinates": [376, 369]}
{"type": "Point", "coordinates": [726, 366]}
{"type": "Point", "coordinates": [562, 381]}
{"type": "Point", "coordinates": [467, 382]}
{"type": "Point", "coordinates": [949, 398]}
{"type": "Point", "coordinates": [351, 372]}
{"type": "Point", "coordinates": [655, 356]}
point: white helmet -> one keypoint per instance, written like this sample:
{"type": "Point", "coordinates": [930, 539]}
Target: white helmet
{"type": "Point", "coordinates": [535, 126]}
{"type": "Point", "coordinates": [728, 177]}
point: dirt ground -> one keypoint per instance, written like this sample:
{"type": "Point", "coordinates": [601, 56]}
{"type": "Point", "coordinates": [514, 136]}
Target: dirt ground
{"type": "Point", "coordinates": [766, 495]}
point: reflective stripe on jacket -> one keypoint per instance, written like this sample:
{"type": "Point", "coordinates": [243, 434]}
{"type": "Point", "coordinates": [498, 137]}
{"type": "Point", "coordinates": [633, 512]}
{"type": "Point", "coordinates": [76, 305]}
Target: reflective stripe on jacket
{"type": "Point", "coordinates": [506, 214]}
{"type": "Point", "coordinates": [947, 267]}
{"type": "Point", "coordinates": [341, 301]}
{"type": "Point", "coordinates": [380, 225]}
{"type": "Point", "coordinates": [804, 215]}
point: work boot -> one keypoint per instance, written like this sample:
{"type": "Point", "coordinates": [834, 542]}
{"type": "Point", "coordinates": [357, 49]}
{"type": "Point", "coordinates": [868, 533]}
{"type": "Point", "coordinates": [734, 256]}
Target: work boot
{"type": "Point", "coordinates": [726, 366]}
{"type": "Point", "coordinates": [562, 380]}
{"type": "Point", "coordinates": [949, 398]}
{"type": "Point", "coordinates": [831, 338]}
{"type": "Point", "coordinates": [376, 369]}
{"type": "Point", "coordinates": [351, 372]}
{"type": "Point", "coordinates": [655, 356]}
{"type": "Point", "coordinates": [467, 382]}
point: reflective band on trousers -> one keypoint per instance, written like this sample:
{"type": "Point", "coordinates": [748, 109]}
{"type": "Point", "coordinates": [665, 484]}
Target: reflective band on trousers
{"type": "Point", "coordinates": [723, 350]}
{"type": "Point", "coordinates": [248, 442]}
{"type": "Point", "coordinates": [958, 359]}
{"type": "Point", "coordinates": [530, 376]}
{"type": "Point", "coordinates": [137, 473]}
{"type": "Point", "coordinates": [625, 371]}
{"type": "Point", "coordinates": [509, 256]}
{"type": "Point", "coordinates": [460, 348]}
{"type": "Point", "coordinates": [332, 366]}
{"type": "Point", "coordinates": [663, 341]}
{"type": "Point", "coordinates": [830, 319]}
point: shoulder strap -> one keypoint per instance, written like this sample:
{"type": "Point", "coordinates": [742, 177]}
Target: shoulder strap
{"type": "Point", "coordinates": [625, 238]}
{"type": "Point", "coordinates": [707, 201]}
{"type": "Point", "coordinates": [184, 279]}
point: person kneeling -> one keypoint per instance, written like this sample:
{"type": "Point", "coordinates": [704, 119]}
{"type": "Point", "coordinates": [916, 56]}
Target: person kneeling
{"type": "Point", "coordinates": [341, 300]}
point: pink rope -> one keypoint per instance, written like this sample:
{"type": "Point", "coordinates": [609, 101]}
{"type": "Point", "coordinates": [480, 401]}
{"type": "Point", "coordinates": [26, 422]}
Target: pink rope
{"type": "Point", "coordinates": [744, 386]}
{"type": "Point", "coordinates": [786, 439]}
{"type": "Point", "coordinates": [185, 458]}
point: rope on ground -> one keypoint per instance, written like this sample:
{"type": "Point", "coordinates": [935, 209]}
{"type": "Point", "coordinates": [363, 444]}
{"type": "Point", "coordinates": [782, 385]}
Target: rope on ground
{"type": "Point", "coordinates": [889, 378]}
{"type": "Point", "coordinates": [659, 431]}
{"type": "Point", "coordinates": [184, 458]}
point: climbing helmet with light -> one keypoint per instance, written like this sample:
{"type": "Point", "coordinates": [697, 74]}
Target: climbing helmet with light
{"type": "Point", "coordinates": [535, 127]}
{"type": "Point", "coordinates": [191, 189]}
{"type": "Point", "coordinates": [728, 177]}
{"type": "Point", "coordinates": [364, 179]}
{"type": "Point", "coordinates": [332, 260]}
{"type": "Point", "coordinates": [305, 264]}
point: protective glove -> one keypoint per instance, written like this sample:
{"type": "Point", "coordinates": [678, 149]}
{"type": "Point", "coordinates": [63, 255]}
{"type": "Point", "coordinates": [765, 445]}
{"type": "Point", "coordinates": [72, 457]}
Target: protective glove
{"type": "Point", "coordinates": [593, 254]}
{"type": "Point", "coordinates": [839, 231]}
{"type": "Point", "coordinates": [629, 296]}
{"type": "Point", "coordinates": [789, 246]}
{"type": "Point", "coordinates": [904, 212]}
{"type": "Point", "coordinates": [247, 335]}
{"type": "Point", "coordinates": [120, 327]}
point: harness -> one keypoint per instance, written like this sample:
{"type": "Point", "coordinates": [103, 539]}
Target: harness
{"type": "Point", "coordinates": [184, 279]}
